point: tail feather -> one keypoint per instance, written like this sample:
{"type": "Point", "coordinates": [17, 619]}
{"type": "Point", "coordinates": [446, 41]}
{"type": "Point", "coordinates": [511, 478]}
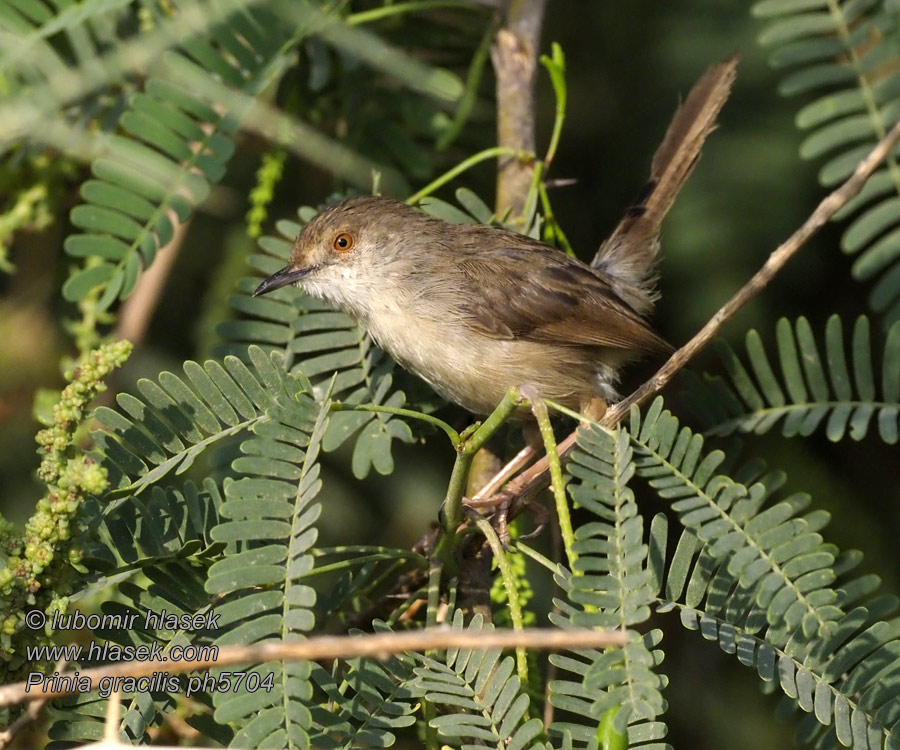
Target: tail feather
{"type": "Point", "coordinates": [629, 253]}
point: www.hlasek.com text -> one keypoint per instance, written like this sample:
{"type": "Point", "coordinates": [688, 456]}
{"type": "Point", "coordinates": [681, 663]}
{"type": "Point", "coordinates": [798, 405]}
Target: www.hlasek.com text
{"type": "Point", "coordinates": [107, 651]}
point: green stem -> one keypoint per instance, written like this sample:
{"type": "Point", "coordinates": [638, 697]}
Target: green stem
{"type": "Point", "coordinates": [533, 194]}
{"type": "Point", "coordinates": [439, 423]}
{"type": "Point", "coordinates": [557, 482]}
{"type": "Point", "coordinates": [560, 91]}
{"type": "Point", "coordinates": [442, 558]}
{"type": "Point", "coordinates": [451, 174]}
{"type": "Point", "coordinates": [495, 420]}
{"type": "Point", "coordinates": [387, 11]}
{"type": "Point", "coordinates": [553, 226]}
{"type": "Point", "coordinates": [455, 492]}
{"type": "Point", "coordinates": [466, 451]}
{"type": "Point", "coordinates": [540, 559]}
{"type": "Point", "coordinates": [342, 565]}
{"type": "Point", "coordinates": [470, 93]}
{"type": "Point", "coordinates": [512, 592]}
{"type": "Point", "coordinates": [570, 412]}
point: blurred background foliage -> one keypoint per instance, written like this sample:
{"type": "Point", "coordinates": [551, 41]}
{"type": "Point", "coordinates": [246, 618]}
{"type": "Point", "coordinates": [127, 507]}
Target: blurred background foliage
{"type": "Point", "coordinates": [627, 65]}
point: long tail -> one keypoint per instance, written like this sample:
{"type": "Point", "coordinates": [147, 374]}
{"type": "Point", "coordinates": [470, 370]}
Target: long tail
{"type": "Point", "coordinates": [629, 253]}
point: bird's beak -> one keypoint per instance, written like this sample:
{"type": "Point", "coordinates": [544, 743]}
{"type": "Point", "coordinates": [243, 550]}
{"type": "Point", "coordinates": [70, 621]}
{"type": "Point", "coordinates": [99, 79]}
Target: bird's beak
{"type": "Point", "coordinates": [281, 278]}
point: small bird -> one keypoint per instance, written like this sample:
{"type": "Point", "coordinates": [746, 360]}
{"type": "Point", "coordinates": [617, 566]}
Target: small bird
{"type": "Point", "coordinates": [475, 310]}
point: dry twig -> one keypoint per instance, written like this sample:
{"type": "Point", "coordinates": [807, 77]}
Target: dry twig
{"type": "Point", "coordinates": [515, 58]}
{"type": "Point", "coordinates": [327, 647]}
{"type": "Point", "coordinates": [137, 311]}
{"type": "Point", "coordinates": [30, 714]}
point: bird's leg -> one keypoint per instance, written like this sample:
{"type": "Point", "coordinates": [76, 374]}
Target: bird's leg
{"type": "Point", "coordinates": [489, 498]}
{"type": "Point", "coordinates": [528, 483]}
{"type": "Point", "coordinates": [595, 408]}
{"type": "Point", "coordinates": [513, 467]}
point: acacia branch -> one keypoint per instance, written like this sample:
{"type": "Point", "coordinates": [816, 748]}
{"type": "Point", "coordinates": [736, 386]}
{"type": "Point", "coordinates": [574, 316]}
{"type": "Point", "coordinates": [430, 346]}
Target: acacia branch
{"type": "Point", "coordinates": [536, 478]}
{"type": "Point", "coordinates": [514, 55]}
{"type": "Point", "coordinates": [137, 311]}
{"type": "Point", "coordinates": [327, 647]}
{"type": "Point", "coordinates": [30, 714]}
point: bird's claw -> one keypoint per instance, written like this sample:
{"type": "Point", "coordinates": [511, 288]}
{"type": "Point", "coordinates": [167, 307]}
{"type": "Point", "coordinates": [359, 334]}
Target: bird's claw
{"type": "Point", "coordinates": [497, 506]}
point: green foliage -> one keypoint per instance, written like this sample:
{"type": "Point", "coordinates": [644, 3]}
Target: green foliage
{"type": "Point", "coordinates": [179, 143]}
{"type": "Point", "coordinates": [264, 524]}
{"type": "Point", "coordinates": [261, 591]}
{"type": "Point", "coordinates": [770, 552]}
{"type": "Point", "coordinates": [612, 586]}
{"type": "Point", "coordinates": [176, 131]}
{"type": "Point", "coordinates": [838, 390]}
{"type": "Point", "coordinates": [754, 575]}
{"type": "Point", "coordinates": [176, 421]}
{"type": "Point", "coordinates": [147, 516]}
{"type": "Point", "coordinates": [365, 702]}
{"type": "Point", "coordinates": [33, 188]}
{"type": "Point", "coordinates": [37, 563]}
{"type": "Point", "coordinates": [167, 539]}
{"type": "Point", "coordinates": [484, 699]}
{"type": "Point", "coordinates": [841, 53]}
{"type": "Point", "coordinates": [267, 177]}
{"type": "Point", "coordinates": [364, 573]}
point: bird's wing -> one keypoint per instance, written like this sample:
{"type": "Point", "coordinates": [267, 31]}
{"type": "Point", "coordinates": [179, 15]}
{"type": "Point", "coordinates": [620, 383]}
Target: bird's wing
{"type": "Point", "coordinates": [557, 300]}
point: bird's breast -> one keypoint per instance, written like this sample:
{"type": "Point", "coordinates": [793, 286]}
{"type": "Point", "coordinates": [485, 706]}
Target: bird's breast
{"type": "Point", "coordinates": [475, 370]}
{"type": "Point", "coordinates": [464, 365]}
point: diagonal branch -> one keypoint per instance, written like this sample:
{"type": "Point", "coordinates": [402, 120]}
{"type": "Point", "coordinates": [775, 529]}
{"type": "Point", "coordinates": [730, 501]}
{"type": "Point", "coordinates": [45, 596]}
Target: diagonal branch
{"type": "Point", "coordinates": [536, 478]}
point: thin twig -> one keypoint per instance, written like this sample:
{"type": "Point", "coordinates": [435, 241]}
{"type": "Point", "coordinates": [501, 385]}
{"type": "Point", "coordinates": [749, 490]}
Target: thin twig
{"type": "Point", "coordinates": [557, 480]}
{"type": "Point", "coordinates": [138, 309]}
{"type": "Point", "coordinates": [111, 725]}
{"type": "Point", "coordinates": [327, 647]}
{"type": "Point", "coordinates": [30, 714]}
{"type": "Point", "coordinates": [536, 478]}
{"type": "Point", "coordinates": [514, 55]}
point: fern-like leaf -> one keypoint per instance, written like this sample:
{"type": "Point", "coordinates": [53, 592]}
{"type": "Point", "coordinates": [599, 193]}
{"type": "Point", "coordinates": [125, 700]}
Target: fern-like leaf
{"type": "Point", "coordinates": [754, 575]}
{"type": "Point", "coordinates": [177, 421]}
{"type": "Point", "coordinates": [612, 587]}
{"type": "Point", "coordinates": [772, 551]}
{"type": "Point", "coordinates": [173, 536]}
{"type": "Point", "coordinates": [172, 523]}
{"type": "Point", "coordinates": [177, 143]}
{"type": "Point", "coordinates": [364, 575]}
{"type": "Point", "coordinates": [365, 702]}
{"type": "Point", "coordinates": [840, 52]}
{"type": "Point", "coordinates": [168, 540]}
{"type": "Point", "coordinates": [270, 515]}
{"type": "Point", "coordinates": [837, 390]}
{"type": "Point", "coordinates": [844, 678]}
{"type": "Point", "coordinates": [484, 700]}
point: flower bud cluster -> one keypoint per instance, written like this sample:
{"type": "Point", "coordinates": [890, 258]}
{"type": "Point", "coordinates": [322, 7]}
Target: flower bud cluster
{"type": "Point", "coordinates": [29, 562]}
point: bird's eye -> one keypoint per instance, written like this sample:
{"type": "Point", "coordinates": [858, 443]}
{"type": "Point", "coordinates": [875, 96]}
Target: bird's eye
{"type": "Point", "coordinates": [343, 242]}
